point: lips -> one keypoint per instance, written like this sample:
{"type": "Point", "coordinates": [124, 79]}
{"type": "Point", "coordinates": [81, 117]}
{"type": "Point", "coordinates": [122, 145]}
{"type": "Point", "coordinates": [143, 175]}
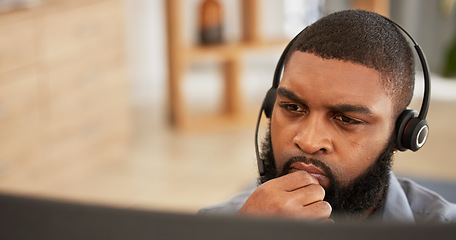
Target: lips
{"type": "Point", "coordinates": [316, 172]}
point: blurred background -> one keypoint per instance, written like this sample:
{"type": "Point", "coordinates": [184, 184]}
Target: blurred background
{"type": "Point", "coordinates": [152, 103]}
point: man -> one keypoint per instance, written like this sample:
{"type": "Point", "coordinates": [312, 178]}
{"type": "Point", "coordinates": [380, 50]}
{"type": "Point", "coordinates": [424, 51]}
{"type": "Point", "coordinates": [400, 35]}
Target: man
{"type": "Point", "coordinates": [331, 140]}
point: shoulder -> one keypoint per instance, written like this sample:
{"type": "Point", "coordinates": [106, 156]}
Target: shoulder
{"type": "Point", "coordinates": [427, 205]}
{"type": "Point", "coordinates": [230, 207]}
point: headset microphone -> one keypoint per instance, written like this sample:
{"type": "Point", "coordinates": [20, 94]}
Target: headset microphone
{"type": "Point", "coordinates": [411, 129]}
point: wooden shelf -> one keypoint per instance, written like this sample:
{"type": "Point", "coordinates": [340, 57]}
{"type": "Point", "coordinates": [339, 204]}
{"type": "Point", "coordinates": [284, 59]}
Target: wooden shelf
{"type": "Point", "coordinates": [228, 55]}
{"type": "Point", "coordinates": [229, 51]}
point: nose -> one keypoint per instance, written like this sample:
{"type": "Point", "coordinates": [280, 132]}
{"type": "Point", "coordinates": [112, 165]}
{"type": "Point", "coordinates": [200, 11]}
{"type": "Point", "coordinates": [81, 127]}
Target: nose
{"type": "Point", "coordinates": [313, 135]}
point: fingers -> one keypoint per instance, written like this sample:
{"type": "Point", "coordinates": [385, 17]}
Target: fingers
{"type": "Point", "coordinates": [307, 203]}
{"type": "Point", "coordinates": [296, 195]}
{"type": "Point", "coordinates": [307, 195]}
{"type": "Point", "coordinates": [293, 181]}
{"type": "Point", "coordinates": [315, 211]}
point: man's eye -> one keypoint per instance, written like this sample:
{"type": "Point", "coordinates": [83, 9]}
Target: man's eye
{"type": "Point", "coordinates": [347, 120]}
{"type": "Point", "coordinates": [292, 107]}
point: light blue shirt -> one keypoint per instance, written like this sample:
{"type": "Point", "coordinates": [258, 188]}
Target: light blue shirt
{"type": "Point", "coordinates": [406, 201]}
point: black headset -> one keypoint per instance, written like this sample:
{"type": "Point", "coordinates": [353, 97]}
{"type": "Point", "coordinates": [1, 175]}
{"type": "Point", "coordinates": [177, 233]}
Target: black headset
{"type": "Point", "coordinates": [412, 128]}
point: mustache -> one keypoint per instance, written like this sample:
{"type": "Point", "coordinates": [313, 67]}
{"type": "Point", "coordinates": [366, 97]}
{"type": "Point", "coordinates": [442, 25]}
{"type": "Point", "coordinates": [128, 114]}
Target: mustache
{"type": "Point", "coordinates": [317, 163]}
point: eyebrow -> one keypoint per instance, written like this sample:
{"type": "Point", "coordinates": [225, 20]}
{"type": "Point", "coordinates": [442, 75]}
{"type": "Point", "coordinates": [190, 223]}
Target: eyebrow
{"type": "Point", "coordinates": [343, 108]}
{"type": "Point", "coordinates": [289, 94]}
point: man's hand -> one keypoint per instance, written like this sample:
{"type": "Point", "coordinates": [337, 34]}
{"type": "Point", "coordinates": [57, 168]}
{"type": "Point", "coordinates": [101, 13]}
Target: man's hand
{"type": "Point", "coordinates": [296, 195]}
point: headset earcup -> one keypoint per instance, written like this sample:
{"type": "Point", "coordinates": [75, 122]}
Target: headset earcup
{"type": "Point", "coordinates": [412, 131]}
{"type": "Point", "coordinates": [269, 101]}
{"type": "Point", "coordinates": [401, 123]}
{"type": "Point", "coordinates": [415, 134]}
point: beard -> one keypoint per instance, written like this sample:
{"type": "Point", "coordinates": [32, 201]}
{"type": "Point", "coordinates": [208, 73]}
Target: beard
{"type": "Point", "coordinates": [363, 194]}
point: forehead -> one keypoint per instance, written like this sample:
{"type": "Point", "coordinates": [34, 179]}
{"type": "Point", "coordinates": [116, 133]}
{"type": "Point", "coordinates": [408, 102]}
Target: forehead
{"type": "Point", "coordinates": [332, 81]}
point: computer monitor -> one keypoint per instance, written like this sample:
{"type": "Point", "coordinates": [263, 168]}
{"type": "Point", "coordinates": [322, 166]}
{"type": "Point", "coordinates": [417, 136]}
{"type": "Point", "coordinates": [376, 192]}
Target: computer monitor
{"type": "Point", "coordinates": [34, 218]}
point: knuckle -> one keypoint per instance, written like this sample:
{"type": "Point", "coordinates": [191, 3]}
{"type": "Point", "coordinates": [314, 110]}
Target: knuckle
{"type": "Point", "coordinates": [321, 210]}
{"type": "Point", "coordinates": [318, 190]}
{"type": "Point", "coordinates": [306, 177]}
{"type": "Point", "coordinates": [325, 207]}
{"type": "Point", "coordinates": [284, 208]}
{"type": "Point", "coordinates": [263, 190]}
{"type": "Point", "coordinates": [321, 191]}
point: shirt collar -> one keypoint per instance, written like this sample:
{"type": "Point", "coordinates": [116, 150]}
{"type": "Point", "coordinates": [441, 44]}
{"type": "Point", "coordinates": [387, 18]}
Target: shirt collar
{"type": "Point", "coordinates": [396, 207]}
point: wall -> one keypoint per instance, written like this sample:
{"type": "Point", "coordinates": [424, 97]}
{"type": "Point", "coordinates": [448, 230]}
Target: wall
{"type": "Point", "coordinates": [429, 26]}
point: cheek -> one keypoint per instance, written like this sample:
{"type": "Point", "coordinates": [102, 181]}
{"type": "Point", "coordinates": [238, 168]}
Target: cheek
{"type": "Point", "coordinates": [358, 157]}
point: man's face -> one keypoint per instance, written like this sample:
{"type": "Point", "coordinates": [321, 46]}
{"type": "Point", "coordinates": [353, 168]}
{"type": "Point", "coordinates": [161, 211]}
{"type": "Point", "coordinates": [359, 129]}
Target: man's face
{"type": "Point", "coordinates": [334, 111]}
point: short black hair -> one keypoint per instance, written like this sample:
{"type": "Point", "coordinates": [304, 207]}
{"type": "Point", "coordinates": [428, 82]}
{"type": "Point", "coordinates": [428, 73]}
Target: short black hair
{"type": "Point", "coordinates": [368, 39]}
